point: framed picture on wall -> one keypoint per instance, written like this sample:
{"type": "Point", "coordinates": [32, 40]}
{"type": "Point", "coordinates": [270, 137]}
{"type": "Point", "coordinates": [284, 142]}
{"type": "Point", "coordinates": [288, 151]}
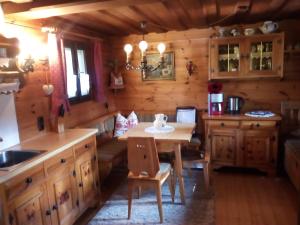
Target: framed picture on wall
{"type": "Point", "coordinates": [167, 72]}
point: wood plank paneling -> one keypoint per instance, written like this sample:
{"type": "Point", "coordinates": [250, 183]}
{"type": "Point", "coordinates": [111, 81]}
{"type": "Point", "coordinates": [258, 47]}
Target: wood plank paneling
{"type": "Point", "coordinates": [192, 90]}
{"type": "Point", "coordinates": [31, 102]}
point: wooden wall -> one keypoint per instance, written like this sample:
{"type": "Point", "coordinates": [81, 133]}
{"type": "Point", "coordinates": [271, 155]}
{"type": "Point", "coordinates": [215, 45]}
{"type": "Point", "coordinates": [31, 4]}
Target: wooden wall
{"type": "Point", "coordinates": [31, 102]}
{"type": "Point", "coordinates": [193, 45]}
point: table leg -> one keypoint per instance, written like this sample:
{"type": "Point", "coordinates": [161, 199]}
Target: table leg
{"type": "Point", "coordinates": [178, 169]}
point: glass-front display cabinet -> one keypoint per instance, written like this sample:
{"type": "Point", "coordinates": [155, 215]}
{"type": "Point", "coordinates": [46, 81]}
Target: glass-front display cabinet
{"type": "Point", "coordinates": [246, 56]}
{"type": "Point", "coordinates": [225, 58]}
{"type": "Point", "coordinates": [264, 56]}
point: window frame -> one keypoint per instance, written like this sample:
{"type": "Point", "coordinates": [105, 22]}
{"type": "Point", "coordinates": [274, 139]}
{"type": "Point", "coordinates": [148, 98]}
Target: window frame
{"type": "Point", "coordinates": [74, 46]}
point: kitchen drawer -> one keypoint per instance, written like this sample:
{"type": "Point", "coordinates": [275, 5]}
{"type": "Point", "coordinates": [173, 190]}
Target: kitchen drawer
{"type": "Point", "coordinates": [292, 166]}
{"type": "Point", "coordinates": [258, 124]}
{"type": "Point", "coordinates": [223, 123]}
{"type": "Point", "coordinates": [59, 161]}
{"type": "Point", "coordinates": [87, 145]}
{"type": "Point", "coordinates": [24, 181]}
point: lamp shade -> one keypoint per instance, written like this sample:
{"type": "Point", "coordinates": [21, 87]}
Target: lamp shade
{"type": "Point", "coordinates": [161, 47]}
{"type": "Point", "coordinates": [128, 48]}
{"type": "Point", "coordinates": [143, 45]}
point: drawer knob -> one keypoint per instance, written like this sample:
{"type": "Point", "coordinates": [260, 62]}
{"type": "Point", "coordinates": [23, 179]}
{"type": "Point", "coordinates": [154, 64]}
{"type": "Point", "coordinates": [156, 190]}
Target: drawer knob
{"type": "Point", "coordinates": [80, 184]}
{"type": "Point", "coordinates": [48, 212]}
{"type": "Point", "coordinates": [86, 146]}
{"type": "Point", "coordinates": [257, 125]}
{"type": "Point", "coordinates": [63, 160]}
{"type": "Point", "coordinates": [28, 180]}
{"type": "Point", "coordinates": [222, 124]}
{"type": "Point", "coordinates": [54, 207]}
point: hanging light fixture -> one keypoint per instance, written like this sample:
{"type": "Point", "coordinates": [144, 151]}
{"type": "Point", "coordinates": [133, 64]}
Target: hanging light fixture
{"type": "Point", "coordinates": [143, 45]}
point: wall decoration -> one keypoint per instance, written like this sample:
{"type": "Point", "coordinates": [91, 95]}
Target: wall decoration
{"type": "Point", "coordinates": [165, 71]}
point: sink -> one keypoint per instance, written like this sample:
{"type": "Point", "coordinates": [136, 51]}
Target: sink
{"type": "Point", "coordinates": [11, 158]}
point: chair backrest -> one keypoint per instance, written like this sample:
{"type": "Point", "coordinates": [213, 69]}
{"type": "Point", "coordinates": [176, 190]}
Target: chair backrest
{"type": "Point", "coordinates": [290, 111]}
{"type": "Point", "coordinates": [142, 156]}
{"type": "Point", "coordinates": [186, 114]}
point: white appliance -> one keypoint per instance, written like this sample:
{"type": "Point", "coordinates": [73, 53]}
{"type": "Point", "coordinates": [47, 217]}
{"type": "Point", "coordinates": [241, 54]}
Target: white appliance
{"type": "Point", "coordinates": [9, 131]}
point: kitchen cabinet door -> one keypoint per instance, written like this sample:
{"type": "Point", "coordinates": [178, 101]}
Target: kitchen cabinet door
{"type": "Point", "coordinates": [226, 58]}
{"type": "Point", "coordinates": [30, 208]}
{"type": "Point", "coordinates": [258, 148]}
{"type": "Point", "coordinates": [63, 195]}
{"type": "Point", "coordinates": [87, 180]}
{"type": "Point", "coordinates": [264, 56]}
{"type": "Point", "coordinates": [223, 146]}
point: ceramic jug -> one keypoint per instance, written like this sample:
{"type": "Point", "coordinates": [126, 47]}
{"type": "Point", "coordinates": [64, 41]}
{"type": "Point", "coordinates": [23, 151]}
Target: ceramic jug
{"type": "Point", "coordinates": [160, 120]}
{"type": "Point", "coordinates": [269, 27]}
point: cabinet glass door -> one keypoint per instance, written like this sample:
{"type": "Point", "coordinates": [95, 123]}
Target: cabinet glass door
{"type": "Point", "coordinates": [225, 58]}
{"type": "Point", "coordinates": [264, 56]}
{"type": "Point", "coordinates": [261, 56]}
{"type": "Point", "coordinates": [229, 58]}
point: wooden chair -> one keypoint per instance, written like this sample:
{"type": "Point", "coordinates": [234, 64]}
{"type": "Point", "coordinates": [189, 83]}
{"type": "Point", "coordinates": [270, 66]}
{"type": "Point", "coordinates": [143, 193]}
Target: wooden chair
{"type": "Point", "coordinates": [191, 153]}
{"type": "Point", "coordinates": [290, 111]}
{"type": "Point", "coordinates": [145, 170]}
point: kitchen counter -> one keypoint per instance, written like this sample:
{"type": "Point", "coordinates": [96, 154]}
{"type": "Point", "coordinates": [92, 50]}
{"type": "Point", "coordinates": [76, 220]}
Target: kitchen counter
{"type": "Point", "coordinates": [238, 117]}
{"type": "Point", "coordinates": [52, 143]}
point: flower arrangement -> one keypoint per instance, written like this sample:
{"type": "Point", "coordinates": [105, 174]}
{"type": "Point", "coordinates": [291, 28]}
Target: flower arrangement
{"type": "Point", "coordinates": [215, 87]}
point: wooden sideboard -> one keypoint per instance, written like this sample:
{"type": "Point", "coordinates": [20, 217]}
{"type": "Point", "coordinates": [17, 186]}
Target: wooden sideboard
{"type": "Point", "coordinates": [57, 190]}
{"type": "Point", "coordinates": [241, 141]}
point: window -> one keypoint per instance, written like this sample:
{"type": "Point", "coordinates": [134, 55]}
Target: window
{"type": "Point", "coordinates": [78, 73]}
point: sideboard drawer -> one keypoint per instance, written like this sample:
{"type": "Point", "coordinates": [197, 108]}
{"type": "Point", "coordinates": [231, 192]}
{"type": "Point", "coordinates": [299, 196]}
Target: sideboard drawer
{"type": "Point", "coordinates": [258, 124]}
{"type": "Point", "coordinates": [59, 161]}
{"type": "Point", "coordinates": [223, 123]}
{"type": "Point", "coordinates": [22, 182]}
{"type": "Point", "coordinates": [85, 146]}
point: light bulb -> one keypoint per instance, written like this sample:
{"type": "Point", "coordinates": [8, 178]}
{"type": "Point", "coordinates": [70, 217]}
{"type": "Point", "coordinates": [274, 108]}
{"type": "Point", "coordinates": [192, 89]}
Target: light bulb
{"type": "Point", "coordinates": [143, 45]}
{"type": "Point", "coordinates": [161, 47]}
{"type": "Point", "coordinates": [128, 48]}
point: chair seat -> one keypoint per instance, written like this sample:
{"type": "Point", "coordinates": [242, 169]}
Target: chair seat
{"type": "Point", "coordinates": [164, 169]}
{"type": "Point", "coordinates": [191, 155]}
{"type": "Point", "coordinates": [195, 140]}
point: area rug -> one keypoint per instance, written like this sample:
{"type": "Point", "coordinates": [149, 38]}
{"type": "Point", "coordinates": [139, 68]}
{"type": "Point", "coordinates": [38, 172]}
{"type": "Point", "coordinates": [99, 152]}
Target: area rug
{"type": "Point", "coordinates": [198, 210]}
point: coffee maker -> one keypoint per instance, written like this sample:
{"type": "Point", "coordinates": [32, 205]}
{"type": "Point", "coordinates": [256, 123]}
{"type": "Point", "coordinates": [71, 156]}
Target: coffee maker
{"type": "Point", "coordinates": [215, 103]}
{"type": "Point", "coordinates": [215, 99]}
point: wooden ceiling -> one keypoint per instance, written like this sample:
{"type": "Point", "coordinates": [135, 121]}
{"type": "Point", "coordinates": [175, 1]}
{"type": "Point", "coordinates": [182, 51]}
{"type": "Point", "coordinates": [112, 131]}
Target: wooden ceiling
{"type": "Point", "coordinates": [122, 17]}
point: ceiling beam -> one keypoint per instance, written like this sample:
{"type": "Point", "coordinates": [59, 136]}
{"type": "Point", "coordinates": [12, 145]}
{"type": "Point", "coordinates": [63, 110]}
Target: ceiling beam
{"type": "Point", "coordinates": [27, 12]}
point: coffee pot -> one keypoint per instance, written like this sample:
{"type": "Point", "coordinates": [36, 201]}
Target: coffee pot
{"type": "Point", "coordinates": [160, 120]}
{"type": "Point", "coordinates": [234, 104]}
{"type": "Point", "coordinates": [269, 27]}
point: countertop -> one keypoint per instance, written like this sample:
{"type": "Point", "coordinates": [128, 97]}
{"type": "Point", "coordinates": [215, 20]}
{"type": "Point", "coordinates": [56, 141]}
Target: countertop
{"type": "Point", "coordinates": [239, 117]}
{"type": "Point", "coordinates": [52, 143]}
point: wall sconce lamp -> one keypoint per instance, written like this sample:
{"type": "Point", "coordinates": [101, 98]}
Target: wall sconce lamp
{"type": "Point", "coordinates": [143, 45]}
{"type": "Point", "coordinates": [190, 67]}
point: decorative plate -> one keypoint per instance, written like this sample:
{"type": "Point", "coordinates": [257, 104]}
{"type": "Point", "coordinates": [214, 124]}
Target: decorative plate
{"type": "Point", "coordinates": [165, 129]}
{"type": "Point", "coordinates": [259, 113]}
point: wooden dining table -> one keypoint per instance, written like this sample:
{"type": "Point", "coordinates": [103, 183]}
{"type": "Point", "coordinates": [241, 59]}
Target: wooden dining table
{"type": "Point", "coordinates": [167, 142]}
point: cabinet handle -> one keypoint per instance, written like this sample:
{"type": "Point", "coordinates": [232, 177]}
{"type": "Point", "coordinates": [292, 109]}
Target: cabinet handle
{"type": "Point", "coordinates": [95, 158]}
{"type": "Point", "coordinates": [54, 207]}
{"type": "Point", "coordinates": [77, 202]}
{"type": "Point", "coordinates": [74, 173]}
{"type": "Point", "coordinates": [87, 146]}
{"type": "Point", "coordinates": [48, 212]}
{"type": "Point", "coordinates": [257, 125]}
{"type": "Point", "coordinates": [28, 180]}
{"type": "Point", "coordinates": [80, 184]}
{"type": "Point", "coordinates": [63, 160]}
{"type": "Point", "coordinates": [222, 124]}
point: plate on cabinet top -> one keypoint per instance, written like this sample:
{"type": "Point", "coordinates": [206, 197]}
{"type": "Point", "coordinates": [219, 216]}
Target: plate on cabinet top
{"type": "Point", "coordinates": [260, 113]}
